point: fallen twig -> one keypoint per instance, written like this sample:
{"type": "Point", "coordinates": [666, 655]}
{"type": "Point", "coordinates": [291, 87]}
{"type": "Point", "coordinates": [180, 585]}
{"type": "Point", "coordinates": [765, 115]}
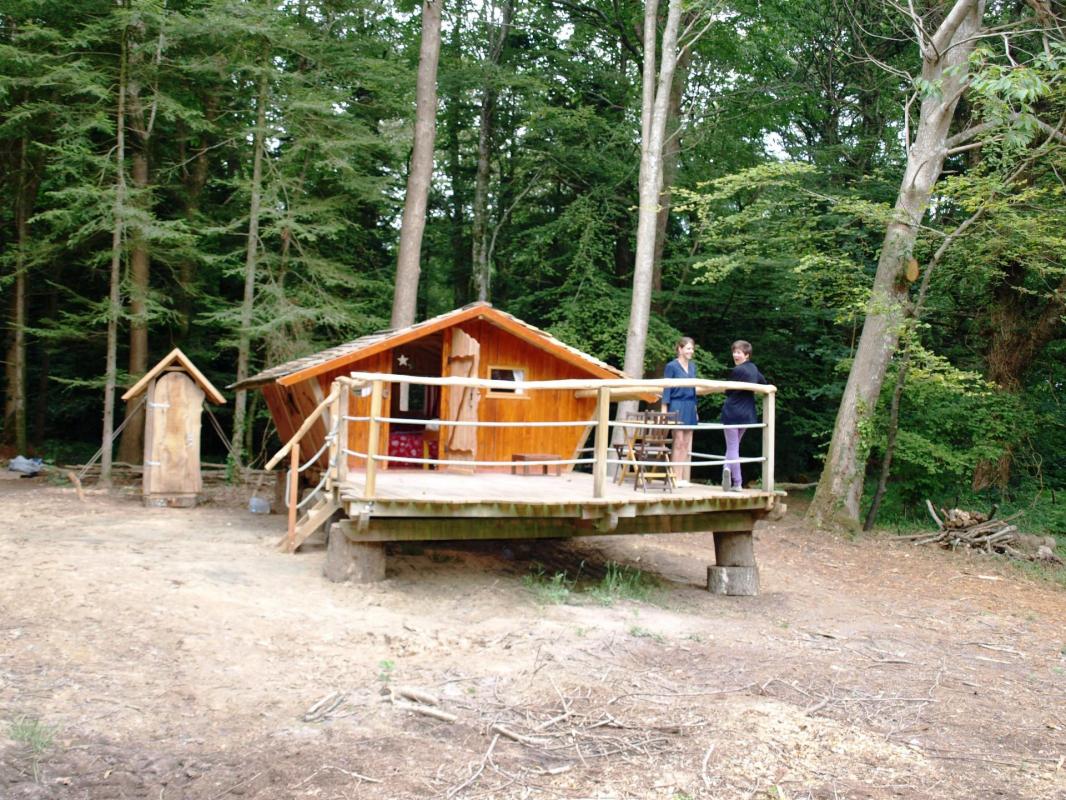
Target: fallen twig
{"type": "Point", "coordinates": [418, 695]}
{"type": "Point", "coordinates": [428, 711]}
{"type": "Point", "coordinates": [518, 737]}
{"type": "Point", "coordinates": [703, 767]}
{"type": "Point", "coordinates": [481, 768]}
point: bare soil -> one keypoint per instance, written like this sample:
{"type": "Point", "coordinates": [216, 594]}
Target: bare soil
{"type": "Point", "coordinates": [177, 654]}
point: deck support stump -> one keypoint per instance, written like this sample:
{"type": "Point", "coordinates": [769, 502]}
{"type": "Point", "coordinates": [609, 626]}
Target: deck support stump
{"type": "Point", "coordinates": [735, 572]}
{"type": "Point", "coordinates": [358, 562]}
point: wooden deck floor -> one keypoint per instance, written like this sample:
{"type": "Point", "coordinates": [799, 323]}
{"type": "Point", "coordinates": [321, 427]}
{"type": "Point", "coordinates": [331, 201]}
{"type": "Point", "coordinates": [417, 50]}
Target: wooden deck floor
{"type": "Point", "coordinates": [430, 488]}
{"type": "Point", "coordinates": [420, 505]}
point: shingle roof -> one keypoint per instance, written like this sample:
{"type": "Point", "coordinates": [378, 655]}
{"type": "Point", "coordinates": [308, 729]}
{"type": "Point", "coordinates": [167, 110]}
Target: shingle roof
{"type": "Point", "coordinates": [354, 350]}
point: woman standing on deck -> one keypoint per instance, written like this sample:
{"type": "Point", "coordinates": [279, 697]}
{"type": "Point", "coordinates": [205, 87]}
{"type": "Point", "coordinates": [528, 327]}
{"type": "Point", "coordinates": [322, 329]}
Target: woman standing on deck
{"type": "Point", "coordinates": [739, 409]}
{"type": "Point", "coordinates": [683, 401]}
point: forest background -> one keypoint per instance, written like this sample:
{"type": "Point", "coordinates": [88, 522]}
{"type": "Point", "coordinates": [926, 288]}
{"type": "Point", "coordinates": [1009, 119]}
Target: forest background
{"type": "Point", "coordinates": [228, 177]}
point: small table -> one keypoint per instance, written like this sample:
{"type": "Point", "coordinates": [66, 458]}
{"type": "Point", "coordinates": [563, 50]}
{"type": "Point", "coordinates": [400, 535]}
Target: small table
{"type": "Point", "coordinates": [520, 457]}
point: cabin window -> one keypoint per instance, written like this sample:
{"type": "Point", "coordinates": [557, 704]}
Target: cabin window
{"type": "Point", "coordinates": [516, 374]}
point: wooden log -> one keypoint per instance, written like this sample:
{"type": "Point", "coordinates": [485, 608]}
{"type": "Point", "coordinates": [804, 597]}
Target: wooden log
{"type": "Point", "coordinates": [373, 438]}
{"type": "Point", "coordinates": [356, 562]}
{"type": "Point", "coordinates": [768, 442]}
{"type": "Point", "coordinates": [733, 581]}
{"type": "Point", "coordinates": [734, 549]}
{"type": "Point", "coordinates": [599, 469]}
{"type": "Point", "coordinates": [734, 572]}
{"type": "Point", "coordinates": [294, 492]}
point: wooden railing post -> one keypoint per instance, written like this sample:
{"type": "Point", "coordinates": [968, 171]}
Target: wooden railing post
{"type": "Point", "coordinates": [603, 416]}
{"type": "Point", "coordinates": [768, 441]}
{"type": "Point", "coordinates": [294, 492]}
{"type": "Point", "coordinates": [343, 404]}
{"type": "Point", "coordinates": [335, 424]}
{"type": "Point", "coordinates": [373, 435]}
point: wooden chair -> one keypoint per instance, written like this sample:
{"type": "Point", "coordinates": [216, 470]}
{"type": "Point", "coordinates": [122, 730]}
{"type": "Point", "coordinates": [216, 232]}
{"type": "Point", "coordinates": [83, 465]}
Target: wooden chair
{"type": "Point", "coordinates": [627, 449]}
{"type": "Point", "coordinates": [654, 444]}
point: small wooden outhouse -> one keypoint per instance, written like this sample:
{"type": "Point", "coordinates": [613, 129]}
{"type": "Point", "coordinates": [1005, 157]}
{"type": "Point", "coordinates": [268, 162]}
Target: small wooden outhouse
{"type": "Point", "coordinates": [175, 391]}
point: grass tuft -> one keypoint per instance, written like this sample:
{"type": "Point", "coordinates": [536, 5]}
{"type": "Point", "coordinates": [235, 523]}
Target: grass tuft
{"type": "Point", "coordinates": [549, 590]}
{"type": "Point", "coordinates": [623, 583]}
{"type": "Point", "coordinates": [32, 733]}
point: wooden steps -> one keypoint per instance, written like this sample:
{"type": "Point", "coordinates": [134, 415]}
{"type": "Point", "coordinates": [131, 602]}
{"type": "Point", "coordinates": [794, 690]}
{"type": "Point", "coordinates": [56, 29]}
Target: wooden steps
{"type": "Point", "coordinates": [317, 515]}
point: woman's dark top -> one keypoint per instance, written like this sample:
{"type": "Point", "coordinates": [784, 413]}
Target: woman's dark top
{"type": "Point", "coordinates": [681, 399]}
{"type": "Point", "coordinates": [739, 407]}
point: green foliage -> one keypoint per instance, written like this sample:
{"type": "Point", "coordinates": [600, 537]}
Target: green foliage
{"type": "Point", "coordinates": [637, 632]}
{"type": "Point", "coordinates": [619, 582]}
{"type": "Point", "coordinates": [32, 733]}
{"type": "Point", "coordinates": [385, 669]}
{"type": "Point", "coordinates": [548, 589]}
{"type": "Point", "coordinates": [953, 421]}
{"type": "Point", "coordinates": [623, 583]}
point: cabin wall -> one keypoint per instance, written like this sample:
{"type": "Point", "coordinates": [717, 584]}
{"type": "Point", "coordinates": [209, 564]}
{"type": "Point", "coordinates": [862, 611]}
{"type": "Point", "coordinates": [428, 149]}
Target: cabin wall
{"type": "Point", "coordinates": [500, 348]}
{"type": "Point", "coordinates": [358, 434]}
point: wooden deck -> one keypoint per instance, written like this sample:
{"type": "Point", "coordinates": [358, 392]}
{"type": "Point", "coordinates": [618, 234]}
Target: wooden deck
{"type": "Point", "coordinates": [423, 505]}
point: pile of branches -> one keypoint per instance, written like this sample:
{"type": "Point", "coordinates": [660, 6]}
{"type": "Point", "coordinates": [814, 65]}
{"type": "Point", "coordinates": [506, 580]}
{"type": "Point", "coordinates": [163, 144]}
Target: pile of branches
{"type": "Point", "coordinates": [957, 527]}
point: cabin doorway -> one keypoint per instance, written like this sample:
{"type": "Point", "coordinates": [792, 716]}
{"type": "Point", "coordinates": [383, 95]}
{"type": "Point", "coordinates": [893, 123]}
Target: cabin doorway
{"type": "Point", "coordinates": [416, 402]}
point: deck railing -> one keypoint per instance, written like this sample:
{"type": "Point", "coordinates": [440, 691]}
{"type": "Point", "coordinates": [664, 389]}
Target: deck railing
{"type": "Point", "coordinates": [605, 392]}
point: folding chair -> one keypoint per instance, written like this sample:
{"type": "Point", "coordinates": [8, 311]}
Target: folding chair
{"type": "Point", "coordinates": [654, 444]}
{"type": "Point", "coordinates": [627, 449]}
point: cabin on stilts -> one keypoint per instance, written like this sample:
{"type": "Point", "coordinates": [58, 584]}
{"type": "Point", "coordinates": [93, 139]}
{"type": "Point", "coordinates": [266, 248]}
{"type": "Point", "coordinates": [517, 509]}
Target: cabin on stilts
{"type": "Point", "coordinates": [477, 425]}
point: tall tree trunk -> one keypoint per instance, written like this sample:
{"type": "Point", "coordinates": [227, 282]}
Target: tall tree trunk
{"type": "Point", "coordinates": [194, 180]}
{"type": "Point", "coordinates": [15, 367]}
{"type": "Point", "coordinates": [244, 341]}
{"type": "Point", "coordinates": [114, 307]}
{"type": "Point", "coordinates": [131, 443]}
{"type": "Point", "coordinates": [655, 101]}
{"type": "Point", "coordinates": [904, 367]}
{"type": "Point", "coordinates": [944, 60]}
{"type": "Point", "coordinates": [655, 111]}
{"type": "Point", "coordinates": [671, 155]}
{"type": "Point", "coordinates": [486, 121]}
{"type": "Point", "coordinates": [460, 278]}
{"type": "Point", "coordinates": [405, 299]}
{"type": "Point", "coordinates": [43, 362]}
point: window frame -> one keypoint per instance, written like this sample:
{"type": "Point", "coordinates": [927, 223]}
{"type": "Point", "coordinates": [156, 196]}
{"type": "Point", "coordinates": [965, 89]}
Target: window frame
{"type": "Point", "coordinates": [518, 393]}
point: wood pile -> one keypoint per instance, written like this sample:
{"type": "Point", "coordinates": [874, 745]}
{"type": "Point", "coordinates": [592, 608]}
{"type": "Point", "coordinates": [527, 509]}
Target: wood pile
{"type": "Point", "coordinates": [957, 527]}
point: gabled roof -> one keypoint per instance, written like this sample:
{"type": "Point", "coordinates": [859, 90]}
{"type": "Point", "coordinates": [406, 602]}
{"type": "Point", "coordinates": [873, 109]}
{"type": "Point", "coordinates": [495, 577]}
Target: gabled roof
{"type": "Point", "coordinates": [173, 356]}
{"type": "Point", "coordinates": [334, 358]}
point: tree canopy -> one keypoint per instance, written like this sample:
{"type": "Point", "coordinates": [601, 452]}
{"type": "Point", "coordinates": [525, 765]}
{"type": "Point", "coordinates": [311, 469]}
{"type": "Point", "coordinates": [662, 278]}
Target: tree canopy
{"type": "Point", "coordinates": [791, 127]}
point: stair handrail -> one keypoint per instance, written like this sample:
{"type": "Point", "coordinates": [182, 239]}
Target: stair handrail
{"type": "Point", "coordinates": [292, 448]}
{"type": "Point", "coordinates": [296, 437]}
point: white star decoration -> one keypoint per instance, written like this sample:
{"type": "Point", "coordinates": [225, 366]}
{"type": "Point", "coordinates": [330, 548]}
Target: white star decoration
{"type": "Point", "coordinates": [403, 360]}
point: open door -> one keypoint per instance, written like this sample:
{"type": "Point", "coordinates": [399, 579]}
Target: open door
{"type": "Point", "coordinates": [460, 441]}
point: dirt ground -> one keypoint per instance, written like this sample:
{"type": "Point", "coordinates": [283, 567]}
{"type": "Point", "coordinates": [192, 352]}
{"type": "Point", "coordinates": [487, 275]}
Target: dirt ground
{"type": "Point", "coordinates": [156, 653]}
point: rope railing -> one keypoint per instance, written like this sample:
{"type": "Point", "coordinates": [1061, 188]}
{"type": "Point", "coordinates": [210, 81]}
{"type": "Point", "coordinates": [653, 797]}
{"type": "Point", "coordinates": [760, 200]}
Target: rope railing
{"type": "Point", "coordinates": [600, 457]}
{"type": "Point", "coordinates": [614, 461]}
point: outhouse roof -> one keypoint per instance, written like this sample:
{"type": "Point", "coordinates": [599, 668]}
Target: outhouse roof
{"type": "Point", "coordinates": [175, 356]}
{"type": "Point", "coordinates": [301, 369]}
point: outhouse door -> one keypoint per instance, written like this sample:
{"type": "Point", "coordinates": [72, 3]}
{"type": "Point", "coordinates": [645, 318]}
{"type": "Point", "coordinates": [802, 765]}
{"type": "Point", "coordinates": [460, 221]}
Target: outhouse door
{"type": "Point", "coordinates": [172, 438]}
{"type": "Point", "coordinates": [460, 441]}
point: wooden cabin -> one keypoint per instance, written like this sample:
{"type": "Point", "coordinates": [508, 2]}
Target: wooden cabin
{"type": "Point", "coordinates": [476, 341]}
{"type": "Point", "coordinates": [468, 426]}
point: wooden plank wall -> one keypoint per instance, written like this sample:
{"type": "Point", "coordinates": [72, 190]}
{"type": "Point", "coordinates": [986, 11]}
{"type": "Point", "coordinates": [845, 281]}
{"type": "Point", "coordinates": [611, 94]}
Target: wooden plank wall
{"type": "Point", "coordinates": [360, 406]}
{"type": "Point", "coordinates": [502, 349]}
{"type": "Point", "coordinates": [499, 348]}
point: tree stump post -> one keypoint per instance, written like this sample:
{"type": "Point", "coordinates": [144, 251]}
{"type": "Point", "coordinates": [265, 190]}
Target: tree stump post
{"type": "Point", "coordinates": [735, 572]}
{"type": "Point", "coordinates": [356, 562]}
